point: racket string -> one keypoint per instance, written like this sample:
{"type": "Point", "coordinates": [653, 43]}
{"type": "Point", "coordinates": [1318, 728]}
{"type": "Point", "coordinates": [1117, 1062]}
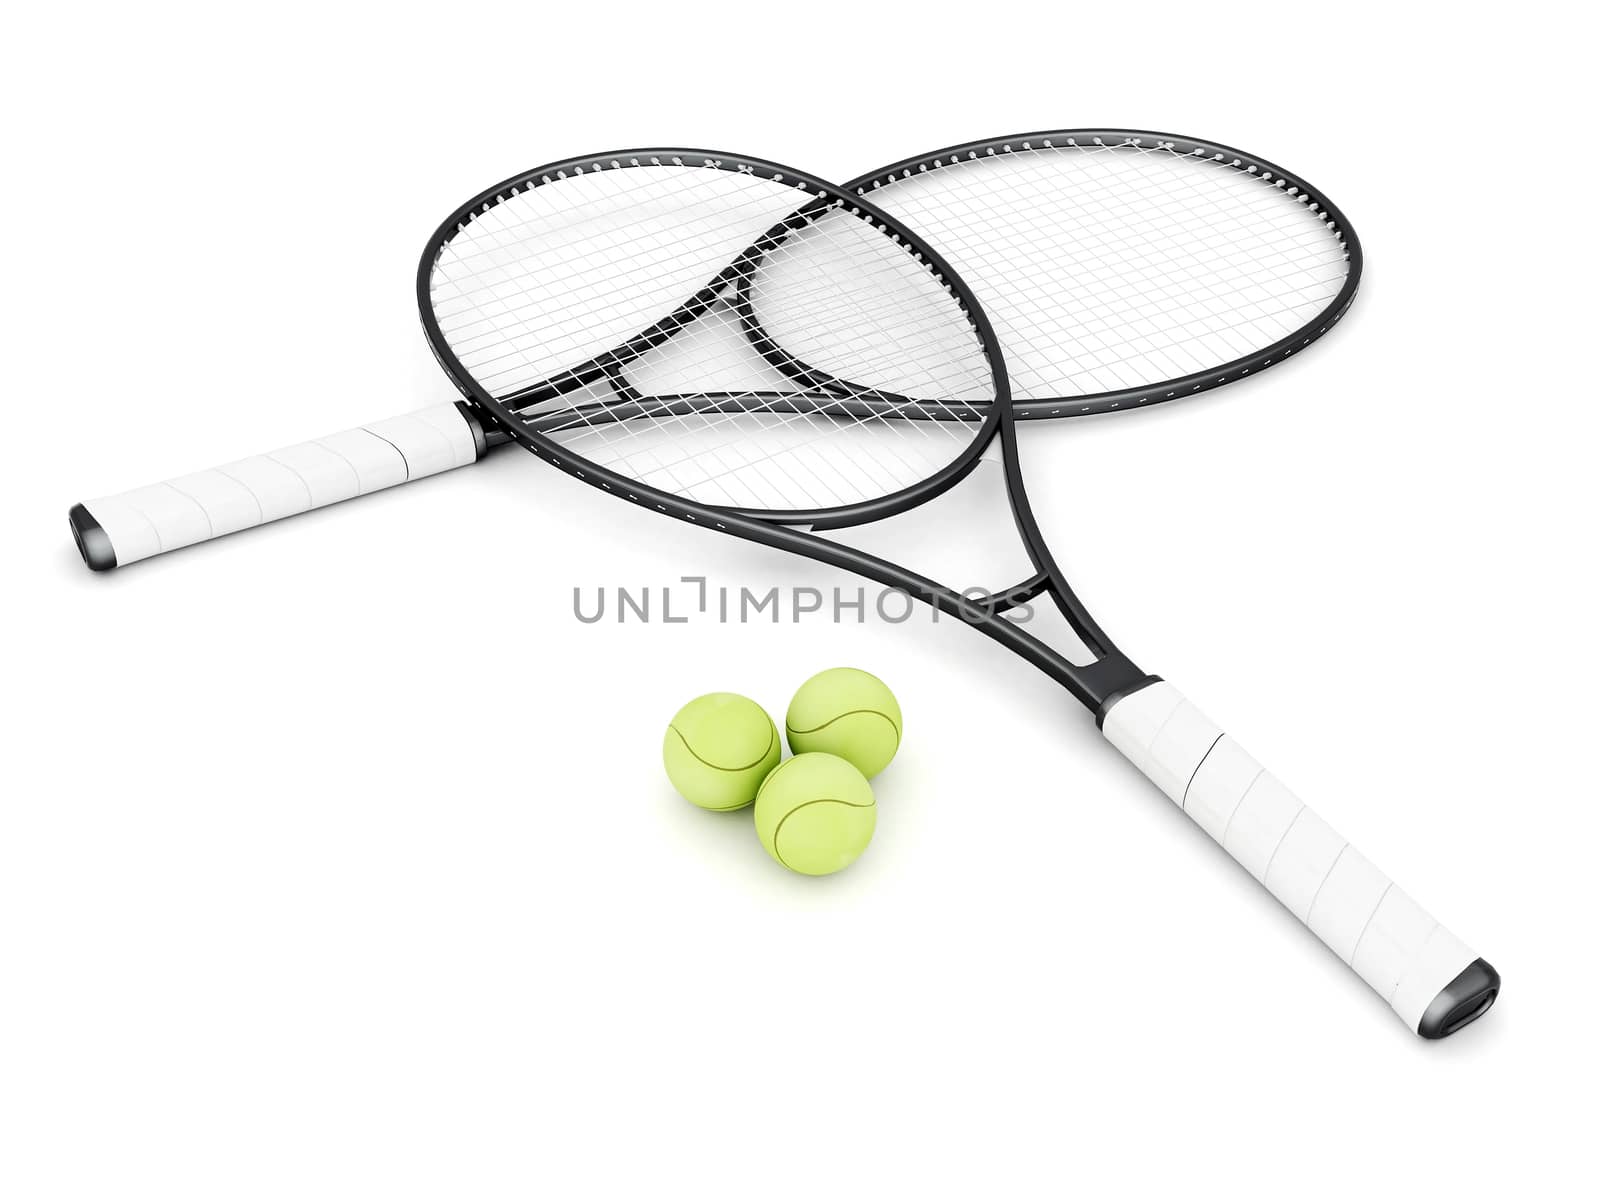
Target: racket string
{"type": "Point", "coordinates": [569, 310]}
{"type": "Point", "coordinates": [858, 333]}
{"type": "Point", "coordinates": [1168, 280]}
{"type": "Point", "coordinates": [573, 314]}
{"type": "Point", "coordinates": [756, 407]}
{"type": "Point", "coordinates": [1119, 266]}
{"type": "Point", "coordinates": [1256, 258]}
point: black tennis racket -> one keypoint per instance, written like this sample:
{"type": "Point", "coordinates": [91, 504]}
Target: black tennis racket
{"type": "Point", "coordinates": [1121, 268]}
{"type": "Point", "coordinates": [737, 345]}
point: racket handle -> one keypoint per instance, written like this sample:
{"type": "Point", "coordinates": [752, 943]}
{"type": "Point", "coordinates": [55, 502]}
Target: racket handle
{"type": "Point", "coordinates": [1425, 973]}
{"type": "Point", "coordinates": [114, 531]}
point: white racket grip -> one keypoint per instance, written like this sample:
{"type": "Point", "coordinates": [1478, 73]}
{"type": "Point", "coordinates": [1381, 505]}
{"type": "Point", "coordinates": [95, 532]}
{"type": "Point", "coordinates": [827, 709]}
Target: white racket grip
{"type": "Point", "coordinates": [1426, 974]}
{"type": "Point", "coordinates": [114, 531]}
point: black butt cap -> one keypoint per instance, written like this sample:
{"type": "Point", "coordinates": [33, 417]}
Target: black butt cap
{"type": "Point", "coordinates": [92, 541]}
{"type": "Point", "coordinates": [1465, 998]}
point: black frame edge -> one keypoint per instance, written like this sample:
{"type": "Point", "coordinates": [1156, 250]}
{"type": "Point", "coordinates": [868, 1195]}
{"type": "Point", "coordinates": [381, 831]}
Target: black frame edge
{"type": "Point", "coordinates": [1464, 999]}
{"type": "Point", "coordinates": [94, 543]}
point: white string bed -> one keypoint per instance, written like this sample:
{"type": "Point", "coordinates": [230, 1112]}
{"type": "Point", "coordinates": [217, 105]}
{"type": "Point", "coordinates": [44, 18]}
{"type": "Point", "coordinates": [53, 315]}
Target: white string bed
{"type": "Point", "coordinates": [556, 276]}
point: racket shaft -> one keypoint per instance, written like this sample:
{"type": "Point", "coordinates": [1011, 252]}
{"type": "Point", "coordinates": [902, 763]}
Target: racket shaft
{"type": "Point", "coordinates": [116, 530]}
{"type": "Point", "coordinates": [1417, 965]}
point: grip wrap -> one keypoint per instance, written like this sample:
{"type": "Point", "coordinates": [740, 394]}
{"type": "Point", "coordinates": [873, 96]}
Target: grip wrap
{"type": "Point", "coordinates": [240, 495]}
{"type": "Point", "coordinates": [1402, 952]}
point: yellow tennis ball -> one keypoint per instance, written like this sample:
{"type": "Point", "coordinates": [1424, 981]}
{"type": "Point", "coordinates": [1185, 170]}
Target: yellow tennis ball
{"type": "Point", "coordinates": [815, 814]}
{"type": "Point", "coordinates": [718, 749]}
{"type": "Point", "coordinates": [846, 712]}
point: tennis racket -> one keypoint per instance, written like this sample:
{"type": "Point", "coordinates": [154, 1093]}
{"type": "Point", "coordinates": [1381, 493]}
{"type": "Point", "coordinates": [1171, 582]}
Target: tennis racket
{"type": "Point", "coordinates": [737, 345]}
{"type": "Point", "coordinates": [1121, 268]}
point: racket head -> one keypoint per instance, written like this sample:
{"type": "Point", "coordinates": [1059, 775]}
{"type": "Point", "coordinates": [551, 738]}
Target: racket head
{"type": "Point", "coordinates": [1114, 265]}
{"type": "Point", "coordinates": [557, 299]}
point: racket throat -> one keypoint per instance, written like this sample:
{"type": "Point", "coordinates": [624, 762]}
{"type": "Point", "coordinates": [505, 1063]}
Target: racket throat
{"type": "Point", "coordinates": [1097, 685]}
{"type": "Point", "coordinates": [1110, 678]}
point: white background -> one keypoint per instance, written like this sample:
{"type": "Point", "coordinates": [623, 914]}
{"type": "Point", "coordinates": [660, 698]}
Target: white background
{"type": "Point", "coordinates": [336, 858]}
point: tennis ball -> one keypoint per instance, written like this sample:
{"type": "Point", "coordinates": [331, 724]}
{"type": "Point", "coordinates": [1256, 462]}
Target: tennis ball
{"type": "Point", "coordinates": [718, 749]}
{"type": "Point", "coordinates": [846, 712]}
{"type": "Point", "coordinates": [815, 814]}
